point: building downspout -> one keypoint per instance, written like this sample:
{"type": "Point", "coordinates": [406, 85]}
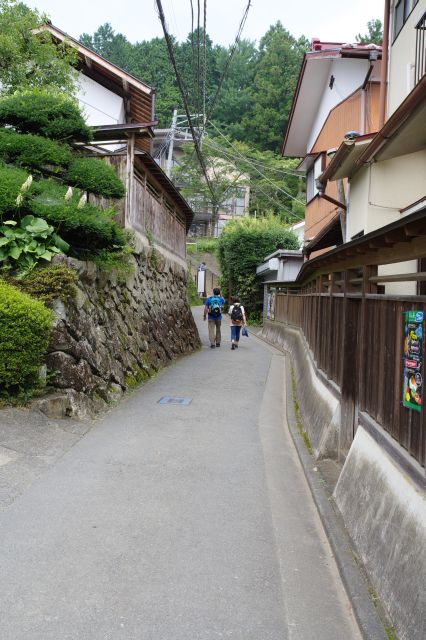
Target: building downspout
{"type": "Point", "coordinates": [384, 66]}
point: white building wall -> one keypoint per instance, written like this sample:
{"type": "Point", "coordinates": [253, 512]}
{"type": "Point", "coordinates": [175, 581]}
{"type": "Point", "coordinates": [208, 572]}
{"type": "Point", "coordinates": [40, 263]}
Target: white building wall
{"type": "Point", "coordinates": [348, 76]}
{"type": "Point", "coordinates": [402, 57]}
{"type": "Point", "coordinates": [100, 105]}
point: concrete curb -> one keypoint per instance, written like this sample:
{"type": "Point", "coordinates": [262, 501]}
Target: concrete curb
{"type": "Point", "coordinates": [352, 575]}
{"type": "Point", "coordinates": [355, 582]}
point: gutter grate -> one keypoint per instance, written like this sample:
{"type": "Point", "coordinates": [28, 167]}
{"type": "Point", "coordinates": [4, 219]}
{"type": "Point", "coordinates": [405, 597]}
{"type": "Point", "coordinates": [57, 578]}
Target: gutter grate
{"type": "Point", "coordinates": [174, 400]}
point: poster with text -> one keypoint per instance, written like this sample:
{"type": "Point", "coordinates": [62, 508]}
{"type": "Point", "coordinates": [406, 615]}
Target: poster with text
{"type": "Point", "coordinates": [413, 360]}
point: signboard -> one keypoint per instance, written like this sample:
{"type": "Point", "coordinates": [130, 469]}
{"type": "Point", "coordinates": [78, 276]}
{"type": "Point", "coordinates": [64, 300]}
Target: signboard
{"type": "Point", "coordinates": [201, 279]}
{"type": "Point", "coordinates": [270, 309]}
{"type": "Point", "coordinates": [413, 360]}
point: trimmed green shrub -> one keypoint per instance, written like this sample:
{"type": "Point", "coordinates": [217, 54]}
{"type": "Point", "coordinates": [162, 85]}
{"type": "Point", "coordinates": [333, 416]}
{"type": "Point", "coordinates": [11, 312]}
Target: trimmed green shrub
{"type": "Point", "coordinates": [24, 336]}
{"type": "Point", "coordinates": [87, 229]}
{"type": "Point", "coordinates": [50, 115]}
{"type": "Point", "coordinates": [33, 152]}
{"type": "Point", "coordinates": [48, 283]}
{"type": "Point", "coordinates": [95, 176]}
{"type": "Point", "coordinates": [11, 181]}
{"type": "Point", "coordinates": [21, 248]}
{"type": "Point", "coordinates": [243, 245]}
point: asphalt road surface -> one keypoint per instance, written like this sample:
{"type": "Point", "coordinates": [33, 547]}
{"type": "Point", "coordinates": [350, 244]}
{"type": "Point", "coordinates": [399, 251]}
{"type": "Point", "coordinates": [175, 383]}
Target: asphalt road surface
{"type": "Point", "coordinates": [177, 522]}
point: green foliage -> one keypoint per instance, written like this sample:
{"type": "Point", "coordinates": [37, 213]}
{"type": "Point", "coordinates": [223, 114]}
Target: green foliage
{"type": "Point", "coordinates": [118, 260]}
{"type": "Point", "coordinates": [48, 283]}
{"type": "Point", "coordinates": [30, 59]}
{"type": "Point", "coordinates": [11, 181]}
{"type": "Point", "coordinates": [52, 115]}
{"type": "Point", "coordinates": [21, 248]}
{"type": "Point", "coordinates": [374, 33]}
{"type": "Point", "coordinates": [204, 245]}
{"type": "Point", "coordinates": [191, 291]}
{"type": "Point", "coordinates": [95, 176]}
{"type": "Point", "coordinates": [87, 229]}
{"type": "Point", "coordinates": [32, 152]}
{"type": "Point", "coordinates": [24, 335]}
{"type": "Point", "coordinates": [243, 245]}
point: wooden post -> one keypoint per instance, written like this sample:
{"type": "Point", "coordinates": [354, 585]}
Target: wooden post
{"type": "Point", "coordinates": [130, 161]}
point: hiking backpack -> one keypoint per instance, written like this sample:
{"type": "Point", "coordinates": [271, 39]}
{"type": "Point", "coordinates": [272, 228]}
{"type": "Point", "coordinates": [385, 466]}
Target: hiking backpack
{"type": "Point", "coordinates": [214, 307]}
{"type": "Point", "coordinates": [237, 314]}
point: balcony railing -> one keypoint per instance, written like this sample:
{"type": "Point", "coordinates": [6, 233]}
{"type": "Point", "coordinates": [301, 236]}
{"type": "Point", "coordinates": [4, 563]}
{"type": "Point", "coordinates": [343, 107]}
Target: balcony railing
{"type": "Point", "coordinates": [420, 64]}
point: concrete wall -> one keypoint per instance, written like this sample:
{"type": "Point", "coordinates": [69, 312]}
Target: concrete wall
{"type": "Point", "coordinates": [382, 501]}
{"type": "Point", "coordinates": [116, 332]}
{"type": "Point", "coordinates": [385, 514]}
{"type": "Point", "coordinates": [318, 407]}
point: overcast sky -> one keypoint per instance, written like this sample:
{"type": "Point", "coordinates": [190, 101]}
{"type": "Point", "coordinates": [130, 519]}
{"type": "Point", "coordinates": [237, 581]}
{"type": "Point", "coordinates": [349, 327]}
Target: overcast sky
{"type": "Point", "coordinates": [332, 20]}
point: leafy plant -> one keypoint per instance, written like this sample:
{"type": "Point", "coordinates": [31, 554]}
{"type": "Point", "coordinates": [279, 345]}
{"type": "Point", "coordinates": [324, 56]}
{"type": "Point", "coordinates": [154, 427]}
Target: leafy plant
{"type": "Point", "coordinates": [95, 176]}
{"type": "Point", "coordinates": [243, 245]}
{"type": "Point", "coordinates": [208, 245]}
{"type": "Point", "coordinates": [48, 283]}
{"type": "Point", "coordinates": [32, 152]}
{"type": "Point", "coordinates": [118, 260]}
{"type": "Point", "coordinates": [52, 115]}
{"type": "Point", "coordinates": [87, 229]}
{"type": "Point", "coordinates": [24, 336]}
{"type": "Point", "coordinates": [21, 248]}
{"type": "Point", "coordinates": [11, 181]}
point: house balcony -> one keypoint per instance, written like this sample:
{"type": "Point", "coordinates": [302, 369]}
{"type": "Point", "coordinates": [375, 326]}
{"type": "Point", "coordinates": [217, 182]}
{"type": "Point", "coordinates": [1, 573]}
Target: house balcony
{"type": "Point", "coordinates": [420, 62]}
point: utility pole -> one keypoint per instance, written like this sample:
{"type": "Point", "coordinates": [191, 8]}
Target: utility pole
{"type": "Point", "coordinates": [171, 144]}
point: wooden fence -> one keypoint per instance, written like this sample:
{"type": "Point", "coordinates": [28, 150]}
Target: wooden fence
{"type": "Point", "coordinates": [356, 338]}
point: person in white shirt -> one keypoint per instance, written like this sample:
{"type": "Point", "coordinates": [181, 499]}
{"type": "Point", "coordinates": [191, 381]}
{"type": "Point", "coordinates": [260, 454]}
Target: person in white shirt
{"type": "Point", "coordinates": [238, 320]}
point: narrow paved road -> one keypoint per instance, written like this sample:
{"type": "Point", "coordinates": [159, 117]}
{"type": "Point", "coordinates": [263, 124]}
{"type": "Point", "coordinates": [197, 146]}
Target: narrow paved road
{"type": "Point", "coordinates": [173, 522]}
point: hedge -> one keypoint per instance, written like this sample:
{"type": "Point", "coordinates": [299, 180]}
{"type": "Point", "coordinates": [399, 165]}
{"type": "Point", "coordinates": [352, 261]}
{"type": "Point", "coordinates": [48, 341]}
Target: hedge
{"type": "Point", "coordinates": [33, 152]}
{"type": "Point", "coordinates": [50, 115]}
{"type": "Point", "coordinates": [11, 181]}
{"type": "Point", "coordinates": [24, 336]}
{"type": "Point", "coordinates": [95, 176]}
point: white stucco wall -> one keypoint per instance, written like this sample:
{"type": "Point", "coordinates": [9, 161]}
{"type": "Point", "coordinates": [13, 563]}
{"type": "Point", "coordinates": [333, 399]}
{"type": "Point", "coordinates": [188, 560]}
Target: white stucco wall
{"type": "Point", "coordinates": [349, 75]}
{"type": "Point", "coordinates": [100, 105]}
{"type": "Point", "coordinates": [402, 57]}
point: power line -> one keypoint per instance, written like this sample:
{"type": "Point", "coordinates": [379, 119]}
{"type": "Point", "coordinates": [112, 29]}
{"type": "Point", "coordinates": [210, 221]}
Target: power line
{"type": "Point", "coordinates": [256, 169]}
{"type": "Point", "coordinates": [184, 96]}
{"type": "Point", "coordinates": [205, 63]}
{"type": "Point", "coordinates": [192, 41]}
{"type": "Point", "coordinates": [229, 60]}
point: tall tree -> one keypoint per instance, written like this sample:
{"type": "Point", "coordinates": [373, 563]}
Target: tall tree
{"type": "Point", "coordinates": [374, 33]}
{"type": "Point", "coordinates": [275, 76]}
{"type": "Point", "coordinates": [28, 58]}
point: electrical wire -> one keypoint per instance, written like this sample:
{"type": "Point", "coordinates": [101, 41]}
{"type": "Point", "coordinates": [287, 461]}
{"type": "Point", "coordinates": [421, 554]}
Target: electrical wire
{"type": "Point", "coordinates": [184, 97]}
{"type": "Point", "coordinates": [256, 169]}
{"type": "Point", "coordinates": [192, 41]}
{"type": "Point", "coordinates": [205, 64]}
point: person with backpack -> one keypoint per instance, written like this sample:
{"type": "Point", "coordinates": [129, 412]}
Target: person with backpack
{"type": "Point", "coordinates": [238, 320]}
{"type": "Point", "coordinates": [213, 310]}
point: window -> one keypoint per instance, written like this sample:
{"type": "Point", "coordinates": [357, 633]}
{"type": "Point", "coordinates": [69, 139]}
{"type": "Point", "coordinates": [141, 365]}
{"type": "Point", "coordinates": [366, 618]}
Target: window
{"type": "Point", "coordinates": [312, 176]}
{"type": "Point", "coordinates": [403, 9]}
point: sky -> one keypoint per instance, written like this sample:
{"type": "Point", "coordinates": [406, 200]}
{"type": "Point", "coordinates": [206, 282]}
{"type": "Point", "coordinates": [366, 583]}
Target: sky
{"type": "Point", "coordinates": [329, 20]}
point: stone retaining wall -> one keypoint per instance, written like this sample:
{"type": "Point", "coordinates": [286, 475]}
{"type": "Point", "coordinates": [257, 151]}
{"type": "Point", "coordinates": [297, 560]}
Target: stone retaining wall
{"type": "Point", "coordinates": [117, 332]}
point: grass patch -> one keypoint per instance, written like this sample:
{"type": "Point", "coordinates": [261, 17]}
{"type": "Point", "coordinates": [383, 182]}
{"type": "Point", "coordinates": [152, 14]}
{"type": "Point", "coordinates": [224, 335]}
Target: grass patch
{"type": "Point", "coordinates": [202, 246]}
{"type": "Point", "coordinates": [299, 424]}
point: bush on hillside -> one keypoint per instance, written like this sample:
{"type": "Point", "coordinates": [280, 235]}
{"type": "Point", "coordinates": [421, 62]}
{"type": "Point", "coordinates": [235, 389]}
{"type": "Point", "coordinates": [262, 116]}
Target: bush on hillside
{"type": "Point", "coordinates": [24, 337]}
{"type": "Point", "coordinates": [54, 116]}
{"type": "Point", "coordinates": [87, 229]}
{"type": "Point", "coordinates": [95, 176]}
{"type": "Point", "coordinates": [11, 181]}
{"type": "Point", "coordinates": [243, 245]}
{"type": "Point", "coordinates": [32, 152]}
{"type": "Point", "coordinates": [48, 283]}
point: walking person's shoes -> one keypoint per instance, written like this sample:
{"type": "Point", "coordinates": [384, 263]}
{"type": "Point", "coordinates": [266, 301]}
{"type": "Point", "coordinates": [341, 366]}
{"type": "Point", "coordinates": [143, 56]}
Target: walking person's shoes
{"type": "Point", "coordinates": [212, 346]}
{"type": "Point", "coordinates": [233, 346]}
{"type": "Point", "coordinates": [218, 344]}
{"type": "Point", "coordinates": [236, 345]}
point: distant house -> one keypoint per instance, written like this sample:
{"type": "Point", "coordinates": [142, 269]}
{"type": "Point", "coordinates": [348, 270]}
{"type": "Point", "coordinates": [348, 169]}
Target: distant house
{"type": "Point", "coordinates": [337, 95]}
{"type": "Point", "coordinates": [120, 108]}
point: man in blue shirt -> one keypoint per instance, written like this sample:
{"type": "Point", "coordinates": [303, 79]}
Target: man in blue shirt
{"type": "Point", "coordinates": [213, 309]}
